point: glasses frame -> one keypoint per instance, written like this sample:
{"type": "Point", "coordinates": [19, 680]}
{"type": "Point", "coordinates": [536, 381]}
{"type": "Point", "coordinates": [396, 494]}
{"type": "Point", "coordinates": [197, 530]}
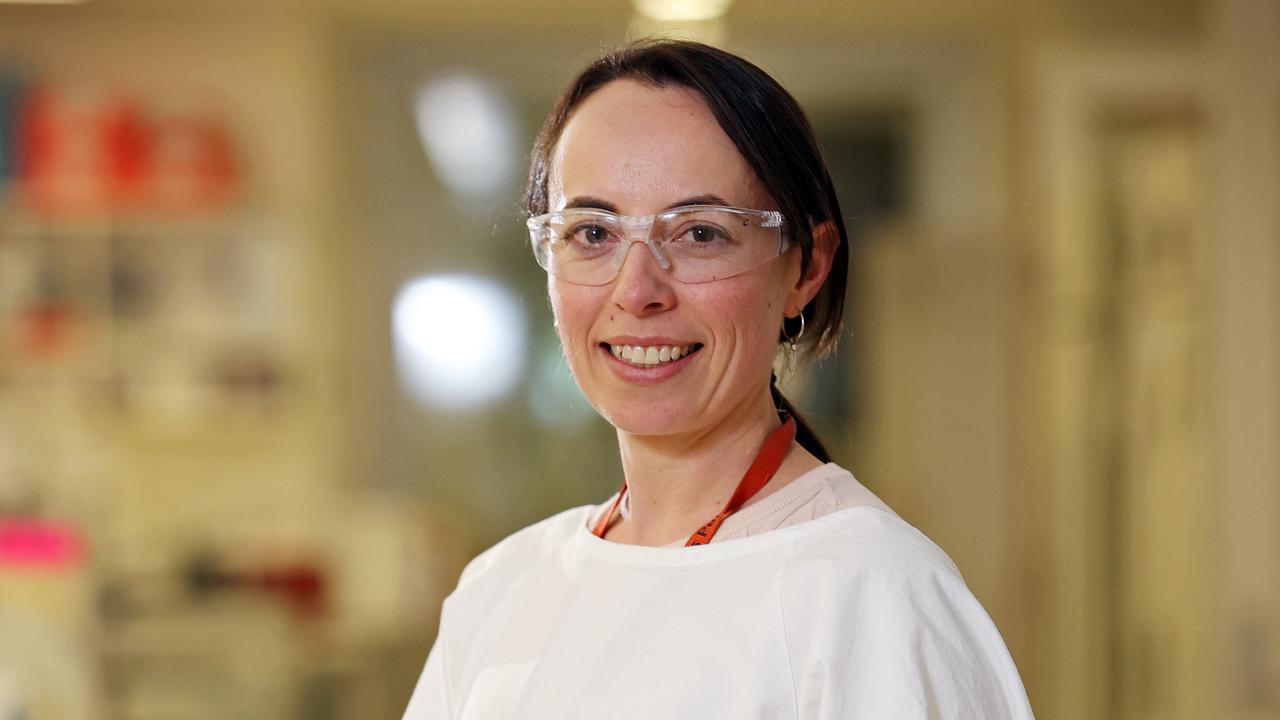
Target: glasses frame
{"type": "Point", "coordinates": [639, 229]}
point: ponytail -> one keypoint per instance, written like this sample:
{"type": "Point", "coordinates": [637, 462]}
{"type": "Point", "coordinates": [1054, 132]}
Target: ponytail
{"type": "Point", "coordinates": [805, 435]}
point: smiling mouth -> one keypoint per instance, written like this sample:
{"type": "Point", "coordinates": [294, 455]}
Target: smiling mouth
{"type": "Point", "coordinates": [651, 355]}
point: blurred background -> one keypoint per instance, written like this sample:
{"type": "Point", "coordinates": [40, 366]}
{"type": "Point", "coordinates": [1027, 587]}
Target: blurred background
{"type": "Point", "coordinates": [275, 360]}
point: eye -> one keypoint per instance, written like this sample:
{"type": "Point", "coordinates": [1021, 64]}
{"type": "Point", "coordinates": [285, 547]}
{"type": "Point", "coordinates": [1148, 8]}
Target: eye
{"type": "Point", "coordinates": [589, 239]}
{"type": "Point", "coordinates": [703, 235]}
{"type": "Point", "coordinates": [588, 234]}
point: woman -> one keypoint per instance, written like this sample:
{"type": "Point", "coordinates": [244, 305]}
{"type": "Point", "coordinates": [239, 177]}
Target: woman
{"type": "Point", "coordinates": [689, 227]}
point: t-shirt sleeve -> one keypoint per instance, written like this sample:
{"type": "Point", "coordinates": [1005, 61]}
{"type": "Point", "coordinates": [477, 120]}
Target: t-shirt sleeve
{"type": "Point", "coordinates": [430, 699]}
{"type": "Point", "coordinates": [895, 638]}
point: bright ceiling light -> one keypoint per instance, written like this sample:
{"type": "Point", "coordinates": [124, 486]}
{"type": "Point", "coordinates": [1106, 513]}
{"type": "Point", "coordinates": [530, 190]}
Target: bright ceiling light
{"type": "Point", "coordinates": [460, 340]}
{"type": "Point", "coordinates": [682, 10]}
{"type": "Point", "coordinates": [469, 132]}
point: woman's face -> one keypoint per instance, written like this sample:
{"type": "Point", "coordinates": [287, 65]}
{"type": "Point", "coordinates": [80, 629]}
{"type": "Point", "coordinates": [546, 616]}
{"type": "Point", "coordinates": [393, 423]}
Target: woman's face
{"type": "Point", "coordinates": [638, 150]}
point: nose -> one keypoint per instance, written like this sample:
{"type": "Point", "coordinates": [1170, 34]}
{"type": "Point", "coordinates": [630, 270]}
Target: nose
{"type": "Point", "coordinates": [642, 286]}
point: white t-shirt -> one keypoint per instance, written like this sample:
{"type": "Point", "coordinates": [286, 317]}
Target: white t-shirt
{"type": "Point", "coordinates": [852, 614]}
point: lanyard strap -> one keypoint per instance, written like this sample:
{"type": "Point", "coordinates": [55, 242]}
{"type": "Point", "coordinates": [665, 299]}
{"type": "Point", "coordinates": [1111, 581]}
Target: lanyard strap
{"type": "Point", "coordinates": [767, 462]}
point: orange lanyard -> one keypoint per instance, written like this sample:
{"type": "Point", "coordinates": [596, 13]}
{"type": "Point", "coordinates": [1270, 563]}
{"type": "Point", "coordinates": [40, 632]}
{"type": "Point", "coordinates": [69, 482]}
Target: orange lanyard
{"type": "Point", "coordinates": [767, 462]}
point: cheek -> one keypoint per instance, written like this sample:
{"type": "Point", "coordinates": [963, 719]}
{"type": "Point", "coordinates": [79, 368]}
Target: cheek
{"type": "Point", "coordinates": [748, 316]}
{"type": "Point", "coordinates": [575, 308]}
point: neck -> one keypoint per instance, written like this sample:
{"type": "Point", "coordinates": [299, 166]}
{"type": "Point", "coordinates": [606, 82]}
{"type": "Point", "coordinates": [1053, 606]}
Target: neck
{"type": "Point", "coordinates": [678, 482]}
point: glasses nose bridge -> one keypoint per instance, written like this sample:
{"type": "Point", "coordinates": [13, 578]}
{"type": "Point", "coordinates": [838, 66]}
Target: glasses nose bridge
{"type": "Point", "coordinates": [640, 230]}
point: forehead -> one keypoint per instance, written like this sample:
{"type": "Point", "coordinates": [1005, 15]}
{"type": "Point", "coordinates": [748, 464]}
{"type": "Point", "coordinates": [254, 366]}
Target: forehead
{"type": "Point", "coordinates": [643, 148]}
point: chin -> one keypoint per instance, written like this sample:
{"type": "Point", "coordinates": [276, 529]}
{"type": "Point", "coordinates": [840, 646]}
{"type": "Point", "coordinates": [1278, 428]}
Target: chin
{"type": "Point", "coordinates": [647, 418]}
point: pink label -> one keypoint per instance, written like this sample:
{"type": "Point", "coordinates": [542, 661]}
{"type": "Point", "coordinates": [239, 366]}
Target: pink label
{"type": "Point", "coordinates": [39, 543]}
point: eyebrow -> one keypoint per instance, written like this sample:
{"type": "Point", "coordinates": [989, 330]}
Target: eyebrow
{"type": "Point", "coordinates": [588, 201]}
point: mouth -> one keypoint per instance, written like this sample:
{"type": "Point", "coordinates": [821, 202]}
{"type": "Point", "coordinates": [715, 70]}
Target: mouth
{"type": "Point", "coordinates": [647, 356]}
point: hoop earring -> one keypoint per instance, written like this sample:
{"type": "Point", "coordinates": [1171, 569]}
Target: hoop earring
{"type": "Point", "coordinates": [793, 341]}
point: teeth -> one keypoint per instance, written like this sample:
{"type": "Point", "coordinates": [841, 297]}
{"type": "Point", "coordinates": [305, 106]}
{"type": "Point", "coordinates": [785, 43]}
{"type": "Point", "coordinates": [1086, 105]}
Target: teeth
{"type": "Point", "coordinates": [652, 355]}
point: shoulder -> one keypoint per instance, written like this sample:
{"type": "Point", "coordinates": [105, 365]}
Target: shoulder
{"type": "Point", "coordinates": [878, 565]}
{"type": "Point", "coordinates": [876, 608]}
{"type": "Point", "coordinates": [869, 538]}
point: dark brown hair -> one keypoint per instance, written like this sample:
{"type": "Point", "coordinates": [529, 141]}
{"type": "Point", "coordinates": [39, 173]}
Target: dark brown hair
{"type": "Point", "coordinates": [774, 137]}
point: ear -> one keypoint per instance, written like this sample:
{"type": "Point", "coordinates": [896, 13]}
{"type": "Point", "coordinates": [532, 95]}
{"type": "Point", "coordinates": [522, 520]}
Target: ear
{"type": "Point", "coordinates": [826, 240]}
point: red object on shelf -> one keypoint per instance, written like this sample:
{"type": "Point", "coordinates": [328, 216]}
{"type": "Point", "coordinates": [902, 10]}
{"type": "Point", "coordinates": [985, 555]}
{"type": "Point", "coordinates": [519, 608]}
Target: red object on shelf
{"type": "Point", "coordinates": [45, 331]}
{"type": "Point", "coordinates": [301, 586]}
{"type": "Point", "coordinates": [194, 166]}
{"type": "Point", "coordinates": [84, 153]}
{"type": "Point", "coordinates": [81, 153]}
{"type": "Point", "coordinates": [32, 543]}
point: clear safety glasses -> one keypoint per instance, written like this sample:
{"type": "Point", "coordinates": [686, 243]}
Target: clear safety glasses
{"type": "Point", "coordinates": [696, 243]}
